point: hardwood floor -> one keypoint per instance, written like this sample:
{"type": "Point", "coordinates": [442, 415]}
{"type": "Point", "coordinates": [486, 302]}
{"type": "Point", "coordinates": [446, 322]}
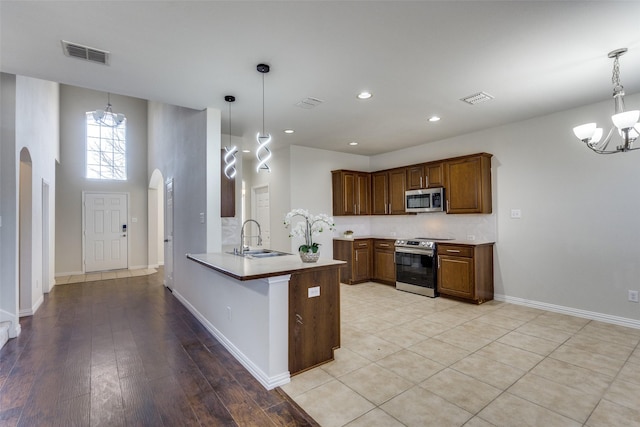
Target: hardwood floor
{"type": "Point", "coordinates": [125, 352]}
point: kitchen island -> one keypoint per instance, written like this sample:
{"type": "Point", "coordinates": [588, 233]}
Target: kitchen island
{"type": "Point", "coordinates": [277, 315]}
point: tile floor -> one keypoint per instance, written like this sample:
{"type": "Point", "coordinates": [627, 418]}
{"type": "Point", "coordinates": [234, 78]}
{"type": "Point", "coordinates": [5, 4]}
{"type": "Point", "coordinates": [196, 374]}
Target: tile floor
{"type": "Point", "coordinates": [92, 277]}
{"type": "Point", "coordinates": [408, 360]}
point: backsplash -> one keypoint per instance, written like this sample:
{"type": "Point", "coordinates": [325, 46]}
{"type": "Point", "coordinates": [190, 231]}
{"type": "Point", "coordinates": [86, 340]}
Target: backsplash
{"type": "Point", "coordinates": [436, 225]}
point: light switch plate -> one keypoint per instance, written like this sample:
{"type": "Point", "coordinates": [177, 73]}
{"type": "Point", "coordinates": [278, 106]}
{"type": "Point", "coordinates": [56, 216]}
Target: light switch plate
{"type": "Point", "coordinates": [314, 292]}
{"type": "Point", "coordinates": [201, 217]}
{"type": "Point", "coordinates": [516, 213]}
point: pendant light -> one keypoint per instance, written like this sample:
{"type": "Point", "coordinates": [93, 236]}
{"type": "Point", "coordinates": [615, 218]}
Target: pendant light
{"type": "Point", "coordinates": [264, 139]}
{"type": "Point", "coordinates": [230, 150]}
{"type": "Point", "coordinates": [107, 117]}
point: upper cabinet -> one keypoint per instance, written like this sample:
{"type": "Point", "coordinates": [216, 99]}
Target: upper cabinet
{"type": "Point", "coordinates": [351, 193]}
{"type": "Point", "coordinates": [468, 184]}
{"type": "Point", "coordinates": [387, 192]}
{"type": "Point", "coordinates": [426, 175]}
{"type": "Point", "coordinates": [466, 180]}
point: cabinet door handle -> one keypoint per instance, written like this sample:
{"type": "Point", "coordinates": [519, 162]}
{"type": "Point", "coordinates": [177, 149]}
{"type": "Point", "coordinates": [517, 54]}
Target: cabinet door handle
{"type": "Point", "coordinates": [384, 244]}
{"type": "Point", "coordinates": [455, 251]}
{"type": "Point", "coordinates": [447, 205]}
{"type": "Point", "coordinates": [438, 262]}
{"type": "Point", "coordinates": [426, 182]}
{"type": "Point", "coordinates": [356, 256]}
{"type": "Point", "coordinates": [420, 182]}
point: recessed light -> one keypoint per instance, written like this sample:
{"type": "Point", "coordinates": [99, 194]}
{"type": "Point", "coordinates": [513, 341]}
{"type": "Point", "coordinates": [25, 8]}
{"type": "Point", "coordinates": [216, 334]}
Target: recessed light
{"type": "Point", "coordinates": [365, 95]}
{"type": "Point", "coordinates": [434, 119]}
{"type": "Point", "coordinates": [289, 131]}
{"type": "Point", "coordinates": [353, 143]}
{"type": "Point", "coordinates": [246, 151]}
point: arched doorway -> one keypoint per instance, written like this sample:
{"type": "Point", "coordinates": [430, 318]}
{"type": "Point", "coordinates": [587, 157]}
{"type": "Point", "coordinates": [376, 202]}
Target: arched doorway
{"type": "Point", "coordinates": [156, 220]}
{"type": "Point", "coordinates": [25, 230]}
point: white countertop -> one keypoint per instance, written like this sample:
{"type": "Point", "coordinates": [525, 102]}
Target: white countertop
{"type": "Point", "coordinates": [452, 242]}
{"type": "Point", "coordinates": [242, 268]}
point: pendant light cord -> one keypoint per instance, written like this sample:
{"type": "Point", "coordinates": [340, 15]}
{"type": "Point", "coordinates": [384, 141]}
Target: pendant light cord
{"type": "Point", "coordinates": [263, 133]}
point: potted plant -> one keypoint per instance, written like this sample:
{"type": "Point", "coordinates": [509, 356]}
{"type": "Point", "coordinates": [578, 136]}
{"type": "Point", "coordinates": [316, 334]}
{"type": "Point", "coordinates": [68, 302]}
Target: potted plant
{"type": "Point", "coordinates": [311, 226]}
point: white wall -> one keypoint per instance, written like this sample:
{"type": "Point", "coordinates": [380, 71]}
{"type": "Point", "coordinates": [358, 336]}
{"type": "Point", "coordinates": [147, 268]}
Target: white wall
{"type": "Point", "coordinates": [178, 149]}
{"type": "Point", "coordinates": [74, 103]}
{"type": "Point", "coordinates": [30, 117]}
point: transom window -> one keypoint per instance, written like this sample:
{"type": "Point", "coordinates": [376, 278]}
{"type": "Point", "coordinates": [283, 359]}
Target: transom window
{"type": "Point", "coordinates": [106, 146]}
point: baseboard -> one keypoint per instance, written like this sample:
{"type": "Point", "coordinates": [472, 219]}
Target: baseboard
{"type": "Point", "coordinates": [14, 329]}
{"type": "Point", "coordinates": [266, 381]}
{"type": "Point", "coordinates": [31, 311]}
{"type": "Point", "coordinates": [592, 315]}
{"type": "Point", "coordinates": [138, 267]}
{"type": "Point", "coordinates": [150, 266]}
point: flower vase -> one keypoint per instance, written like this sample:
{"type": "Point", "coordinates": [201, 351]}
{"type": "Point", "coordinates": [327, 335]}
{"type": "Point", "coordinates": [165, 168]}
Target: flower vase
{"type": "Point", "coordinates": [309, 256]}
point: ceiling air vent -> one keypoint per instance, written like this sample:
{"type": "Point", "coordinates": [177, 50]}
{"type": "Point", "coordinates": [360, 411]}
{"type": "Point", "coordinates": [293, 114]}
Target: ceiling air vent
{"type": "Point", "coordinates": [87, 53]}
{"type": "Point", "coordinates": [309, 103]}
{"type": "Point", "coordinates": [477, 98]}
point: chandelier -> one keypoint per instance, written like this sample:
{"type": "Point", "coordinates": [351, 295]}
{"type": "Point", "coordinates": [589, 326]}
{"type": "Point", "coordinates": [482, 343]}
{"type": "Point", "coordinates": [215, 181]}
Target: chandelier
{"type": "Point", "coordinates": [230, 150]}
{"type": "Point", "coordinates": [626, 122]}
{"type": "Point", "coordinates": [107, 117]}
{"type": "Point", "coordinates": [264, 139]}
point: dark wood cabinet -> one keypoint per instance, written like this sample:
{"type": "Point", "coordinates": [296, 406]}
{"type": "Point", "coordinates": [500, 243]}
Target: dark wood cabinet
{"type": "Point", "coordinates": [426, 175]}
{"type": "Point", "coordinates": [314, 318]}
{"type": "Point", "coordinates": [466, 271]}
{"type": "Point", "coordinates": [351, 193]}
{"type": "Point", "coordinates": [227, 192]}
{"type": "Point", "coordinates": [468, 184]}
{"type": "Point", "coordinates": [387, 192]}
{"type": "Point", "coordinates": [466, 180]}
{"type": "Point", "coordinates": [358, 256]}
{"type": "Point", "coordinates": [384, 265]}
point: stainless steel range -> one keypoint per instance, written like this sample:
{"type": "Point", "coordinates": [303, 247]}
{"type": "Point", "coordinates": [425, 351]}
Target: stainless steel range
{"type": "Point", "coordinates": [416, 269]}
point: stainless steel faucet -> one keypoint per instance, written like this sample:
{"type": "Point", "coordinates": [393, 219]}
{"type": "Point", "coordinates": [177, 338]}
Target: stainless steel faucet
{"type": "Point", "coordinates": [244, 247]}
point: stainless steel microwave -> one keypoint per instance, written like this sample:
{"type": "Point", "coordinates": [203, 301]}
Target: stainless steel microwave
{"type": "Point", "coordinates": [426, 200]}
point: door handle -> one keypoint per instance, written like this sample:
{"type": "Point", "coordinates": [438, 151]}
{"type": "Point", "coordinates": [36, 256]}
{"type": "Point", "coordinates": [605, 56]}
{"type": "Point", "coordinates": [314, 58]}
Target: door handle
{"type": "Point", "coordinates": [166, 240]}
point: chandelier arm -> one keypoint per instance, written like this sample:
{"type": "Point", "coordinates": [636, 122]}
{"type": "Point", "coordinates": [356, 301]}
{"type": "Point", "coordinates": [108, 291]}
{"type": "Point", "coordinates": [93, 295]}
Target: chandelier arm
{"type": "Point", "coordinates": [606, 141]}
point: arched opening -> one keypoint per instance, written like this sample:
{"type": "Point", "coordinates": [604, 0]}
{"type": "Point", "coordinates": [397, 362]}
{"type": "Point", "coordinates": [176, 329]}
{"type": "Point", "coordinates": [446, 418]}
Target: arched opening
{"type": "Point", "coordinates": [156, 220]}
{"type": "Point", "coordinates": [25, 241]}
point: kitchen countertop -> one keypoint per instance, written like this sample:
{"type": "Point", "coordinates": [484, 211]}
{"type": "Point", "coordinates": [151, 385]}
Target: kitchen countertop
{"type": "Point", "coordinates": [241, 268]}
{"type": "Point", "coordinates": [453, 242]}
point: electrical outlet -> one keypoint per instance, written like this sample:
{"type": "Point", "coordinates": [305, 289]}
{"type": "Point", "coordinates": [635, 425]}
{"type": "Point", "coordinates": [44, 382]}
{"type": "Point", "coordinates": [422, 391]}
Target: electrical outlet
{"type": "Point", "coordinates": [633, 296]}
{"type": "Point", "coordinates": [516, 213]}
{"type": "Point", "coordinates": [471, 237]}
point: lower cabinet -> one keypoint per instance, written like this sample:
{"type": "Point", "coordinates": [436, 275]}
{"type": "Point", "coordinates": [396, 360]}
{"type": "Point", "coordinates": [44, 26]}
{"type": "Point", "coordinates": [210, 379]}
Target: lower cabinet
{"type": "Point", "coordinates": [357, 254]}
{"type": "Point", "coordinates": [314, 318]}
{"type": "Point", "coordinates": [466, 271]}
{"type": "Point", "coordinates": [384, 263]}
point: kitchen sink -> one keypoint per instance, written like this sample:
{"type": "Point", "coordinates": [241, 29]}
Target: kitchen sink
{"type": "Point", "coordinates": [259, 253]}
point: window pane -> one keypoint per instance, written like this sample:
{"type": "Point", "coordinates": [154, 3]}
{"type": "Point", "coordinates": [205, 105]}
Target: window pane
{"type": "Point", "coordinates": [106, 148]}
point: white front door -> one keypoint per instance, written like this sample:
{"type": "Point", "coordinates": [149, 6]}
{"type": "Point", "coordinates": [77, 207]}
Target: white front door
{"type": "Point", "coordinates": [168, 236]}
{"type": "Point", "coordinates": [105, 233]}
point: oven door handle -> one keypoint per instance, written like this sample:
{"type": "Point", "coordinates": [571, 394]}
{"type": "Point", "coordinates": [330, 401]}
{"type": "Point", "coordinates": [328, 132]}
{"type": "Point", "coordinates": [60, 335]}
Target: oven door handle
{"type": "Point", "coordinates": [427, 252]}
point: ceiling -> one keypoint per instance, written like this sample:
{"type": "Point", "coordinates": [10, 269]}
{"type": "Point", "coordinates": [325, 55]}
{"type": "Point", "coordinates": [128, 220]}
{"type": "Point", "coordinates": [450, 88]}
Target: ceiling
{"type": "Point", "coordinates": [418, 58]}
